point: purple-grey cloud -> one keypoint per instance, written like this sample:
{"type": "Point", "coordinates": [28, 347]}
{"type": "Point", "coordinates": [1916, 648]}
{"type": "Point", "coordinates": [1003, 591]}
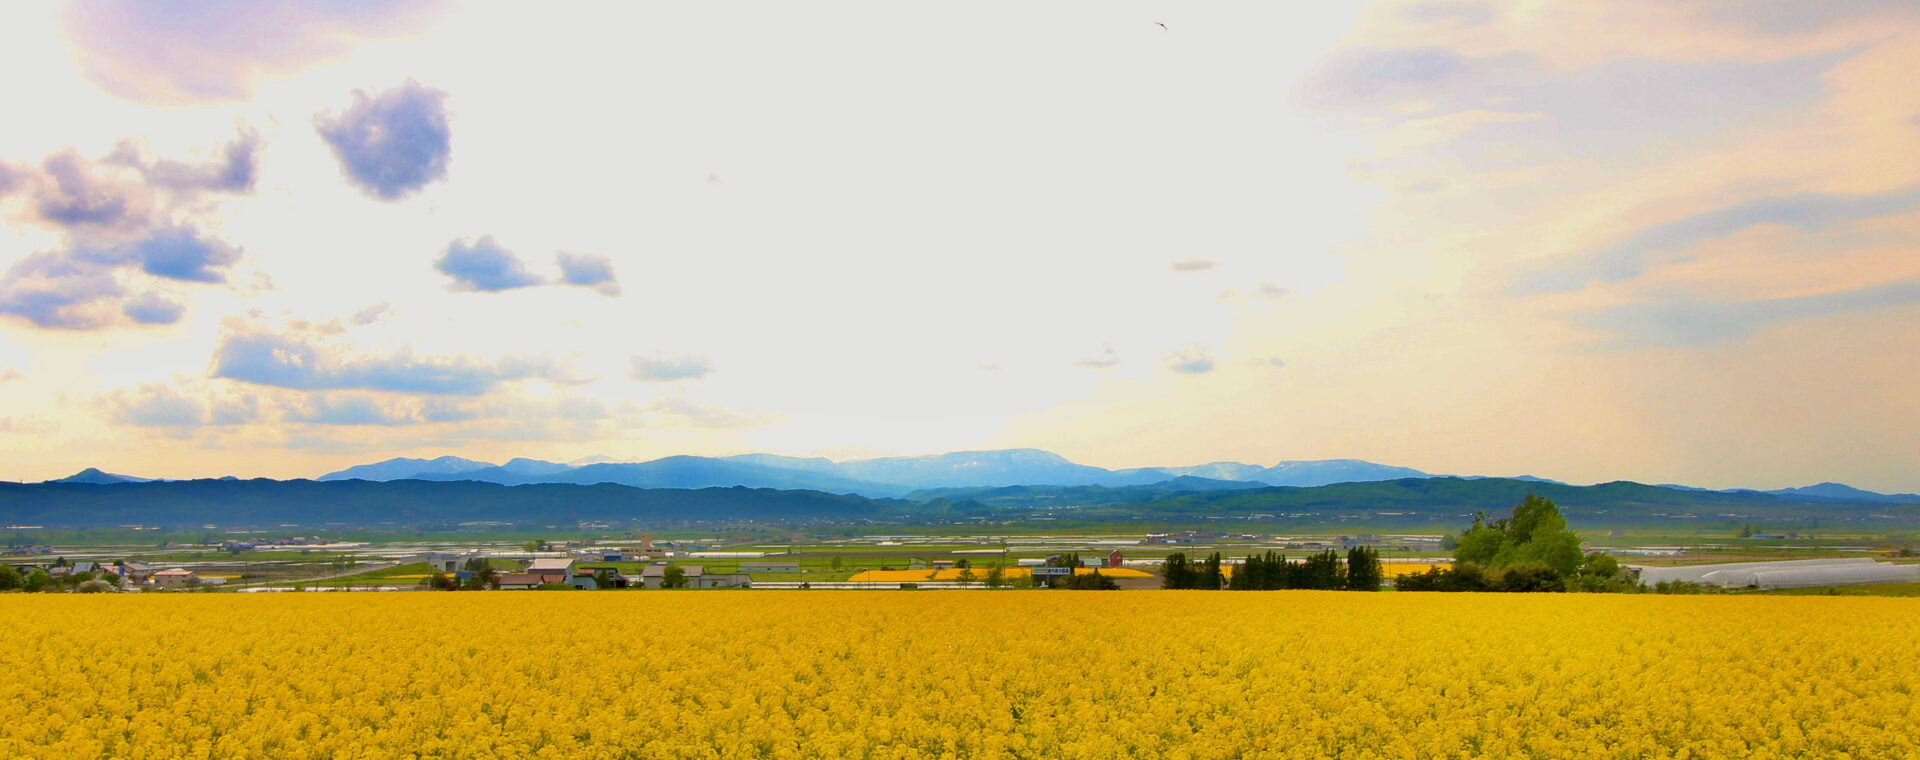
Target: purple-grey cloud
{"type": "Point", "coordinates": [78, 196]}
{"type": "Point", "coordinates": [262, 357]}
{"type": "Point", "coordinates": [1681, 323]}
{"type": "Point", "coordinates": [1595, 111]}
{"type": "Point", "coordinates": [1273, 292]}
{"type": "Point", "coordinates": [569, 409]}
{"type": "Point", "coordinates": [125, 190]}
{"type": "Point", "coordinates": [350, 409]}
{"type": "Point", "coordinates": [27, 425]}
{"type": "Point", "coordinates": [63, 290]}
{"type": "Point", "coordinates": [152, 309]}
{"type": "Point", "coordinates": [371, 314]}
{"type": "Point", "coordinates": [1633, 256]}
{"type": "Point", "coordinates": [1462, 14]}
{"type": "Point", "coordinates": [483, 266]}
{"type": "Point", "coordinates": [154, 406]}
{"type": "Point", "coordinates": [182, 253]}
{"type": "Point", "coordinates": [117, 215]}
{"type": "Point", "coordinates": [393, 144]}
{"type": "Point", "coordinates": [707, 416]}
{"type": "Point", "coordinates": [12, 178]}
{"type": "Point", "coordinates": [78, 289]}
{"type": "Point", "coordinates": [1796, 16]}
{"type": "Point", "coordinates": [588, 270]}
{"type": "Point", "coordinates": [216, 50]}
{"type": "Point", "coordinates": [234, 173]}
{"type": "Point", "coordinates": [1361, 77]}
{"type": "Point", "coordinates": [164, 406]}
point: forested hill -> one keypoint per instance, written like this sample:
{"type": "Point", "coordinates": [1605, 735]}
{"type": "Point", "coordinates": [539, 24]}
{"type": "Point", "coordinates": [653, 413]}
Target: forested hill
{"type": "Point", "coordinates": [1441, 497]}
{"type": "Point", "coordinates": [1410, 502]}
{"type": "Point", "coordinates": [407, 502]}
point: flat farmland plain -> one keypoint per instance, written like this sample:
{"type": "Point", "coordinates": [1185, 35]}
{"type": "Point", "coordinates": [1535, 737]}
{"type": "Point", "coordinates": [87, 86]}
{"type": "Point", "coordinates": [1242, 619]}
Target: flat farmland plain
{"type": "Point", "coordinates": [1015, 674]}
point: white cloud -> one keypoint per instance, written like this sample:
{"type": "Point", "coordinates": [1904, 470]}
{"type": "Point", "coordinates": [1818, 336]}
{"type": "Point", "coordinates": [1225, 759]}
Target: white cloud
{"type": "Point", "coordinates": [659, 369]}
{"type": "Point", "coordinates": [1192, 360]}
{"type": "Point", "coordinates": [1106, 359]}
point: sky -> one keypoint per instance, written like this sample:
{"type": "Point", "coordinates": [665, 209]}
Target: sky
{"type": "Point", "coordinates": [1592, 241]}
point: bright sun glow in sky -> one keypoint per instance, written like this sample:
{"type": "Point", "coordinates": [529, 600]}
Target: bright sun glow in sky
{"type": "Point", "coordinates": [1655, 241]}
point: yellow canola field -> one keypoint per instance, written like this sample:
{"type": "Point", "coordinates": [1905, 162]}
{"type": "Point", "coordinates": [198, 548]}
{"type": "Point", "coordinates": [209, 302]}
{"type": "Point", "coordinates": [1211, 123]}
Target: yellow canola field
{"type": "Point", "coordinates": [1017, 674]}
{"type": "Point", "coordinates": [1387, 569]}
{"type": "Point", "coordinates": [889, 576]}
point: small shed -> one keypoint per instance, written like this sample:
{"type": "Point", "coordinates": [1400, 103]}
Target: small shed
{"type": "Point", "coordinates": [519, 581]}
{"type": "Point", "coordinates": [720, 580]}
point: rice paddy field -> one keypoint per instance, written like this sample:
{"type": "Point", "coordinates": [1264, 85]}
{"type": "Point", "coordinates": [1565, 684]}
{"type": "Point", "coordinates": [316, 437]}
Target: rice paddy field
{"type": "Point", "coordinates": [1033, 674]}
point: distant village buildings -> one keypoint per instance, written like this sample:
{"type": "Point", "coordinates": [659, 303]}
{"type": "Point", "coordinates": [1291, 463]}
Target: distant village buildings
{"type": "Point", "coordinates": [447, 562]}
{"type": "Point", "coordinates": [175, 577]}
{"type": "Point", "coordinates": [696, 576]}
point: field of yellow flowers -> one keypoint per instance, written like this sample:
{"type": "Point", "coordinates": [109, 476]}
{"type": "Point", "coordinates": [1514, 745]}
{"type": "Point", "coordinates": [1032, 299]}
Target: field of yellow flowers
{"type": "Point", "coordinates": [953, 574]}
{"type": "Point", "coordinates": [952, 674]}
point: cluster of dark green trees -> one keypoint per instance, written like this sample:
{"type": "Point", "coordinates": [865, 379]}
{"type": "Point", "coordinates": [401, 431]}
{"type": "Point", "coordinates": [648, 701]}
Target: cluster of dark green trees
{"type": "Point", "coordinates": [1093, 581]}
{"type": "Point", "coordinates": [37, 580]}
{"type": "Point", "coordinates": [1531, 550]}
{"type": "Point", "coordinates": [1267, 572]}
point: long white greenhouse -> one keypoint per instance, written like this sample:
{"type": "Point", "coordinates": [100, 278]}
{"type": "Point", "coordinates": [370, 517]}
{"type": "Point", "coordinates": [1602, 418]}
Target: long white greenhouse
{"type": "Point", "coordinates": [1799, 573]}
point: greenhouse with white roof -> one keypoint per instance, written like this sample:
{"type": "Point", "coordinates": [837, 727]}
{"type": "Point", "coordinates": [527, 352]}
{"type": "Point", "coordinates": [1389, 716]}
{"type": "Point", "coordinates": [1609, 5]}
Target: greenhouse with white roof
{"type": "Point", "coordinates": [1800, 573]}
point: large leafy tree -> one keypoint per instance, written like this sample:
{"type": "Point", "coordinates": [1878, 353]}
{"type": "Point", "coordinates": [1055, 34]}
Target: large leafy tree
{"type": "Point", "coordinates": [1536, 533]}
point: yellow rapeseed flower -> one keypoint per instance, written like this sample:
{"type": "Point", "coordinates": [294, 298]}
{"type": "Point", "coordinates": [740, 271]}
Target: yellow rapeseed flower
{"type": "Point", "coordinates": [829, 674]}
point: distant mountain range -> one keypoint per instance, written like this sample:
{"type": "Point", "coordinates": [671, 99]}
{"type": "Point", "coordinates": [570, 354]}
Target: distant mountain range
{"type": "Point", "coordinates": [894, 477]}
{"type": "Point", "coordinates": [1844, 492]}
{"type": "Point", "coordinates": [93, 476]}
{"type": "Point", "coordinates": [883, 477]}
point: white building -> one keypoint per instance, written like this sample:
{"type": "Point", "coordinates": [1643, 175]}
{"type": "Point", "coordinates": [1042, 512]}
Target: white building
{"type": "Point", "coordinates": [1799, 573]}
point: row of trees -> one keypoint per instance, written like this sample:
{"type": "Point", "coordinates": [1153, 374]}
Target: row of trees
{"type": "Point", "coordinates": [1270, 571]}
{"type": "Point", "coordinates": [1179, 573]}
